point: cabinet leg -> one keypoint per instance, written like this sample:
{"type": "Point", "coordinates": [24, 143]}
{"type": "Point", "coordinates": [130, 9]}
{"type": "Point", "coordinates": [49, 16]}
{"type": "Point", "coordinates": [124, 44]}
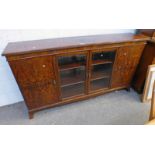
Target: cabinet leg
{"type": "Point", "coordinates": [128, 89]}
{"type": "Point", "coordinates": [31, 115]}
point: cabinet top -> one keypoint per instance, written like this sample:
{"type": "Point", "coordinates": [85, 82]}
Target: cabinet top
{"type": "Point", "coordinates": [15, 48]}
{"type": "Point", "coordinates": [147, 32]}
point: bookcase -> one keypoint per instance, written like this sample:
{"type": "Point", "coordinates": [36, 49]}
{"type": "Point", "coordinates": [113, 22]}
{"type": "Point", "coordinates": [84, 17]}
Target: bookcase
{"type": "Point", "coordinates": [55, 72]}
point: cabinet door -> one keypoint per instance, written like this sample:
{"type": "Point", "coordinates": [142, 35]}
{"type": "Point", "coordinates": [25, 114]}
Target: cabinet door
{"type": "Point", "coordinates": [40, 94]}
{"type": "Point", "coordinates": [101, 69]}
{"type": "Point", "coordinates": [126, 63]}
{"type": "Point", "coordinates": [32, 70]}
{"type": "Point", "coordinates": [36, 79]}
{"type": "Point", "coordinates": [72, 70]}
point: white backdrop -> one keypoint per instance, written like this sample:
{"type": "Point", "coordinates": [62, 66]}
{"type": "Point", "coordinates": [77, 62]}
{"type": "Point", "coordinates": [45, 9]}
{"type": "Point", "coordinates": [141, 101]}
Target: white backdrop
{"type": "Point", "coordinates": [9, 91]}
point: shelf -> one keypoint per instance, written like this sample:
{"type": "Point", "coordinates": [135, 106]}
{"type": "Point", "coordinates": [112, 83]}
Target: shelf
{"type": "Point", "coordinates": [99, 75]}
{"type": "Point", "coordinates": [73, 90]}
{"type": "Point", "coordinates": [98, 62]}
{"type": "Point", "coordinates": [71, 66]}
{"type": "Point", "coordinates": [67, 81]}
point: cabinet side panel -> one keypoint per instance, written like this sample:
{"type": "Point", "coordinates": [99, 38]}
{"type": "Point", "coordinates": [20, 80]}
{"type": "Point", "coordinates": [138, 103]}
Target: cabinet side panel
{"type": "Point", "coordinates": [146, 60]}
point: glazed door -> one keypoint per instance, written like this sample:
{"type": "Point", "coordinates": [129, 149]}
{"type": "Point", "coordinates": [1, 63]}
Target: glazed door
{"type": "Point", "coordinates": [100, 70]}
{"type": "Point", "coordinates": [72, 71]}
{"type": "Point", "coordinates": [126, 63]}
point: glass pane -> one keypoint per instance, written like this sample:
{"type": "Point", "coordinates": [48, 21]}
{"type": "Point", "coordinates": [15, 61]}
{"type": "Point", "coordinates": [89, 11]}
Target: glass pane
{"type": "Point", "coordinates": [101, 69]}
{"type": "Point", "coordinates": [72, 71]}
{"type": "Point", "coordinates": [104, 56]}
{"type": "Point", "coordinates": [69, 62]}
{"type": "Point", "coordinates": [72, 90]}
{"type": "Point", "coordinates": [72, 76]}
{"type": "Point", "coordinates": [100, 84]}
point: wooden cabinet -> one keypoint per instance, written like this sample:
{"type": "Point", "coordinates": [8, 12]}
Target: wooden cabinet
{"type": "Point", "coordinates": [51, 74]}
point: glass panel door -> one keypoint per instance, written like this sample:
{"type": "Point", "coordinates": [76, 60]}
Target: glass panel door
{"type": "Point", "coordinates": [101, 69]}
{"type": "Point", "coordinates": [72, 72]}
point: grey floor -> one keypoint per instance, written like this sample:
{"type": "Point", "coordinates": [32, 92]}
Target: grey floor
{"type": "Point", "coordinates": [120, 107]}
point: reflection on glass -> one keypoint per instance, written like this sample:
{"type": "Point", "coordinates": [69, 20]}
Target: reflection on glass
{"type": "Point", "coordinates": [100, 84]}
{"type": "Point", "coordinates": [72, 90]}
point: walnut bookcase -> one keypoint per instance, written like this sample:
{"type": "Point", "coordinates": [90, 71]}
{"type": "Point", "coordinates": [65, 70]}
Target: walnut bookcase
{"type": "Point", "coordinates": [58, 71]}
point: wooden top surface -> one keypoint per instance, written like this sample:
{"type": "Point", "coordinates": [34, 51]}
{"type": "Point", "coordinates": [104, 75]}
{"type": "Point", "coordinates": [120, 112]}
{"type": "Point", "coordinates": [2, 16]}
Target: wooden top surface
{"type": "Point", "coordinates": [147, 32]}
{"type": "Point", "coordinates": [15, 48]}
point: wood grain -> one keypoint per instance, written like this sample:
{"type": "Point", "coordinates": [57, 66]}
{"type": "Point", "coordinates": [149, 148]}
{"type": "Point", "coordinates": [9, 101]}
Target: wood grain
{"type": "Point", "coordinates": [126, 63]}
{"type": "Point", "coordinates": [69, 42]}
{"type": "Point", "coordinates": [37, 71]}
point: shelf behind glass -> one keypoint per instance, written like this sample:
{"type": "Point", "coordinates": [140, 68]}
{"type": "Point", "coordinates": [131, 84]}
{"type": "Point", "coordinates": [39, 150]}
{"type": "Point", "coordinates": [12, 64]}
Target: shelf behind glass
{"type": "Point", "coordinates": [101, 71]}
{"type": "Point", "coordinates": [103, 56]}
{"type": "Point", "coordinates": [71, 66]}
{"type": "Point", "coordinates": [72, 76]}
{"type": "Point", "coordinates": [70, 62]}
{"type": "Point", "coordinates": [98, 62]}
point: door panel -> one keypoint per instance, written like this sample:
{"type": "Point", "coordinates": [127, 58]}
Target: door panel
{"type": "Point", "coordinates": [32, 70]}
{"type": "Point", "coordinates": [37, 82]}
{"type": "Point", "coordinates": [101, 69]}
{"type": "Point", "coordinates": [72, 69]}
{"type": "Point", "coordinates": [126, 62]}
{"type": "Point", "coordinates": [40, 94]}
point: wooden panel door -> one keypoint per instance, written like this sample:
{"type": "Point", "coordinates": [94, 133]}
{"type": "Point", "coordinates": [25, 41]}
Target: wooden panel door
{"type": "Point", "coordinates": [40, 95]}
{"type": "Point", "coordinates": [32, 70]}
{"type": "Point", "coordinates": [36, 79]}
{"type": "Point", "coordinates": [125, 65]}
{"type": "Point", "coordinates": [72, 74]}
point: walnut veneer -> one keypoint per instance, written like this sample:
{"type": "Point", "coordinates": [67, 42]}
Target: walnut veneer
{"type": "Point", "coordinates": [54, 72]}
